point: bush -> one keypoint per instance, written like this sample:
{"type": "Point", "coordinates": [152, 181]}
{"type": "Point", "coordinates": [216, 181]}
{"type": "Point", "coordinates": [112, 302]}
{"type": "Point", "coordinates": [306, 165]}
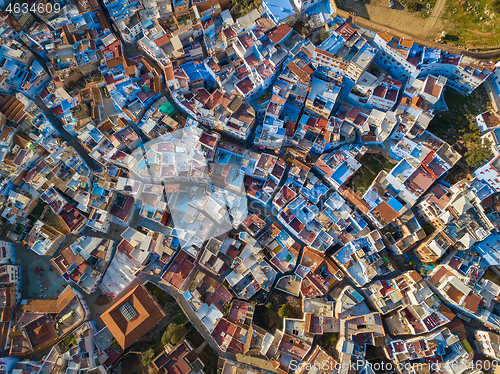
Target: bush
{"type": "Point", "coordinates": [428, 229]}
{"type": "Point", "coordinates": [495, 6]}
{"type": "Point", "coordinates": [284, 311]}
{"type": "Point", "coordinates": [147, 356]}
{"type": "Point", "coordinates": [173, 334]}
{"type": "Point", "coordinates": [115, 344]}
{"type": "Point", "coordinates": [412, 6]}
{"type": "Point", "coordinates": [227, 309]}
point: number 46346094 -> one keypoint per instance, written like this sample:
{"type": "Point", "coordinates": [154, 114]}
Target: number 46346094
{"type": "Point", "coordinates": [40, 8]}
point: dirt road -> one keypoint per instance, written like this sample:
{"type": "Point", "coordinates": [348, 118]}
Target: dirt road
{"type": "Point", "coordinates": [435, 16]}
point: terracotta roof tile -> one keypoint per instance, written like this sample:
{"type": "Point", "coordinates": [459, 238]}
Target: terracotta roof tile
{"type": "Point", "coordinates": [148, 315]}
{"type": "Point", "coordinates": [50, 306]}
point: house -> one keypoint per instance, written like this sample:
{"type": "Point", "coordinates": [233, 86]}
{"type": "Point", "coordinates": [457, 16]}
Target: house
{"type": "Point", "coordinates": [179, 270]}
{"type": "Point", "coordinates": [43, 239]}
{"type": "Point", "coordinates": [488, 343]}
{"type": "Point", "coordinates": [279, 10]}
{"type": "Point", "coordinates": [338, 166]}
{"type": "Point", "coordinates": [181, 359]}
{"type": "Point", "coordinates": [423, 350]}
{"type": "Point", "coordinates": [318, 272]}
{"type": "Point", "coordinates": [120, 273]}
{"type": "Point", "coordinates": [322, 97]}
{"type": "Point", "coordinates": [360, 258]}
{"type": "Point", "coordinates": [487, 121]}
{"type": "Point", "coordinates": [457, 289]}
{"type": "Point", "coordinates": [136, 245]}
{"type": "Point", "coordinates": [432, 89]}
{"type": "Point", "coordinates": [403, 59]}
{"type": "Point", "coordinates": [132, 316]}
{"type": "Point", "coordinates": [417, 310]}
{"type": "Point", "coordinates": [75, 358]}
{"type": "Point", "coordinates": [490, 173]}
{"type": "Point", "coordinates": [447, 213]}
{"type": "Point", "coordinates": [44, 322]}
{"type": "Point", "coordinates": [366, 329]}
{"type": "Point", "coordinates": [344, 53]}
{"type": "Point", "coordinates": [251, 273]}
{"type": "Point", "coordinates": [317, 358]}
{"type": "Point", "coordinates": [84, 262]}
{"type": "Point", "coordinates": [385, 95]}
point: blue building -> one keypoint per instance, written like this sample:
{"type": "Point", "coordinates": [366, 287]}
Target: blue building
{"type": "Point", "coordinates": [278, 10]}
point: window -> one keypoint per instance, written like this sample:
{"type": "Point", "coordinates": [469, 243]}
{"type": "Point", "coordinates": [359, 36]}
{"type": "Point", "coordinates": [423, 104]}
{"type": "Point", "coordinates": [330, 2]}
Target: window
{"type": "Point", "coordinates": [128, 311]}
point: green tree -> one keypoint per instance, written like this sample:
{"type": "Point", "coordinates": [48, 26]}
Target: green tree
{"type": "Point", "coordinates": [147, 356]}
{"type": "Point", "coordinates": [478, 153]}
{"type": "Point", "coordinates": [269, 308]}
{"type": "Point", "coordinates": [284, 311]}
{"type": "Point", "coordinates": [321, 36]}
{"type": "Point", "coordinates": [478, 150]}
{"type": "Point", "coordinates": [428, 229]}
{"type": "Point", "coordinates": [328, 341]}
{"type": "Point", "coordinates": [173, 334]}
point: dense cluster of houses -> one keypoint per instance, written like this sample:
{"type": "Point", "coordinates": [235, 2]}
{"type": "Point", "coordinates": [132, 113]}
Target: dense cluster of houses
{"type": "Point", "coordinates": [171, 143]}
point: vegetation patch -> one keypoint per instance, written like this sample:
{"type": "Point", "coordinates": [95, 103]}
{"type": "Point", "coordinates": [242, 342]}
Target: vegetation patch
{"type": "Point", "coordinates": [241, 7]}
{"type": "Point", "coordinates": [467, 346]}
{"type": "Point", "coordinates": [372, 164]}
{"type": "Point", "coordinates": [473, 23]}
{"type": "Point", "coordinates": [423, 7]}
{"type": "Point", "coordinates": [458, 127]}
{"type": "Point", "coordinates": [180, 319]}
{"type": "Point", "coordinates": [478, 150]}
{"type": "Point", "coordinates": [328, 342]}
{"type": "Point", "coordinates": [361, 180]}
{"type": "Point", "coordinates": [279, 305]}
{"type": "Point", "coordinates": [377, 162]}
{"type": "Point", "coordinates": [195, 338]}
{"type": "Point", "coordinates": [163, 298]}
{"type": "Point", "coordinates": [321, 36]}
{"type": "Point", "coordinates": [173, 334]}
{"type": "Point", "coordinates": [210, 358]}
{"type": "Point", "coordinates": [147, 356]}
{"type": "Point", "coordinates": [68, 343]}
{"type": "Point", "coordinates": [38, 210]}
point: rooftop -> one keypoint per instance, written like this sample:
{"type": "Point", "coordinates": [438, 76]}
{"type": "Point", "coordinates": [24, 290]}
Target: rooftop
{"type": "Point", "coordinates": [132, 315]}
